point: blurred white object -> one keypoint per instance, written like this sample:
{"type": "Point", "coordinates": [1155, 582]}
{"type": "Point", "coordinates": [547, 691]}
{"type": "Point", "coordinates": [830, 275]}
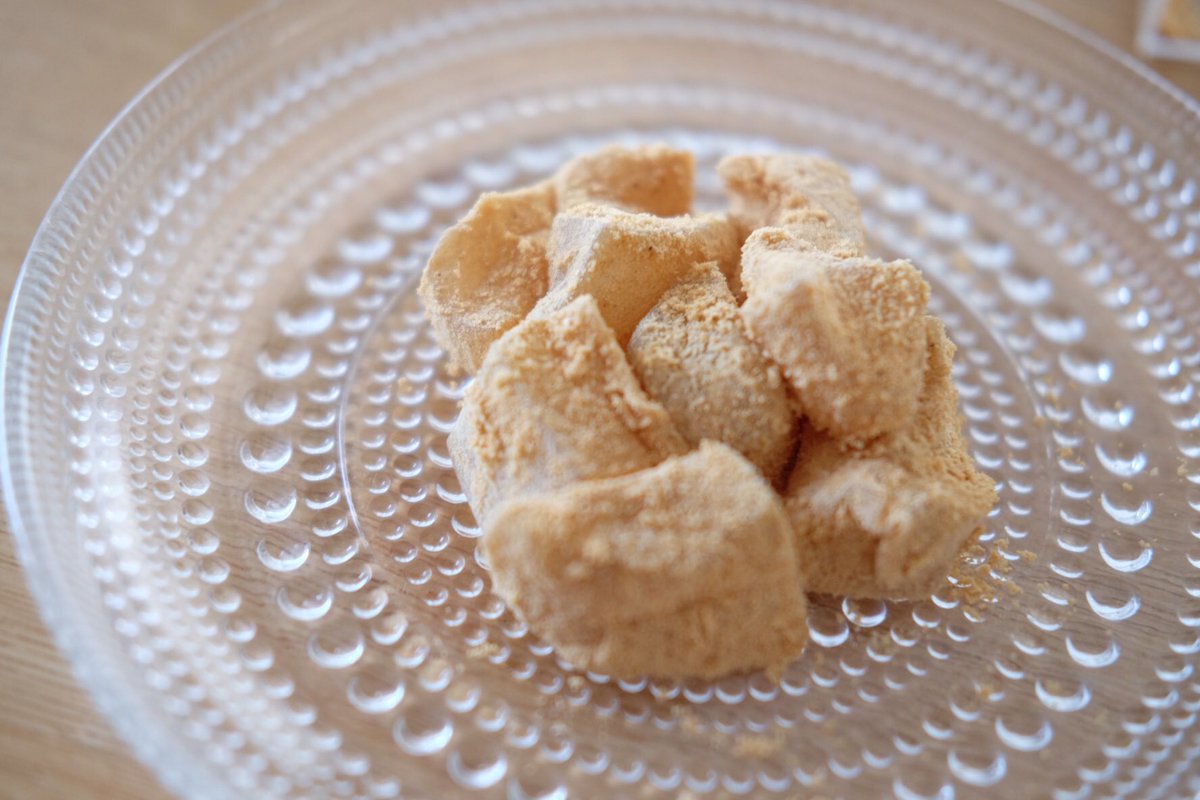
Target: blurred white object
{"type": "Point", "coordinates": [1170, 29]}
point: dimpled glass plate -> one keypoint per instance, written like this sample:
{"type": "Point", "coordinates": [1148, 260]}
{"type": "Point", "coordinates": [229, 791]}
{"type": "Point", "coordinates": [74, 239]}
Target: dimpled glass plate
{"type": "Point", "coordinates": [225, 417]}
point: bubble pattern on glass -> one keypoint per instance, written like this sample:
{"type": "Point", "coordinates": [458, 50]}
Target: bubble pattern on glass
{"type": "Point", "coordinates": [880, 650]}
{"type": "Point", "coordinates": [377, 588]}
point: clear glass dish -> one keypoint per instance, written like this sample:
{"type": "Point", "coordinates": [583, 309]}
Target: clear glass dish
{"type": "Point", "coordinates": [224, 417]}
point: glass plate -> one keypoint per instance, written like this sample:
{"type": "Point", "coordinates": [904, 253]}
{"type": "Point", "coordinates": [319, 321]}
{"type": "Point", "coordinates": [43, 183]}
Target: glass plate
{"type": "Point", "coordinates": [225, 419]}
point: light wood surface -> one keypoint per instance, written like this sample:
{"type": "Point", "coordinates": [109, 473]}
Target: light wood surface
{"type": "Point", "coordinates": [66, 68]}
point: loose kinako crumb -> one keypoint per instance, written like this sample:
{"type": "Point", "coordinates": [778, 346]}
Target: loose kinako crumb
{"type": "Point", "coordinates": [487, 651]}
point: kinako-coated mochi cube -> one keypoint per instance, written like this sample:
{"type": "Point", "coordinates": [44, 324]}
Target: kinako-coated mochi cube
{"type": "Point", "coordinates": [693, 354]}
{"type": "Point", "coordinates": [654, 179]}
{"type": "Point", "coordinates": [488, 271]}
{"type": "Point", "coordinates": [555, 402]}
{"type": "Point", "coordinates": [685, 569]}
{"type": "Point", "coordinates": [626, 261]}
{"type": "Point", "coordinates": [887, 519]}
{"type": "Point", "coordinates": [808, 195]}
{"type": "Point", "coordinates": [848, 333]}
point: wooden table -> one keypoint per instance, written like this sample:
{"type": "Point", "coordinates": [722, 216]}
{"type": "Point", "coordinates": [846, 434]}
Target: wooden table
{"type": "Point", "coordinates": [67, 67]}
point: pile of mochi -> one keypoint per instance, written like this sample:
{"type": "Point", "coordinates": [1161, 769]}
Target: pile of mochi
{"type": "Point", "coordinates": [680, 423]}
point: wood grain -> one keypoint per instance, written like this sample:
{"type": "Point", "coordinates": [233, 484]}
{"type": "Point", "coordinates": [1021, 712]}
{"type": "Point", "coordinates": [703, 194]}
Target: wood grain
{"type": "Point", "coordinates": [67, 67]}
